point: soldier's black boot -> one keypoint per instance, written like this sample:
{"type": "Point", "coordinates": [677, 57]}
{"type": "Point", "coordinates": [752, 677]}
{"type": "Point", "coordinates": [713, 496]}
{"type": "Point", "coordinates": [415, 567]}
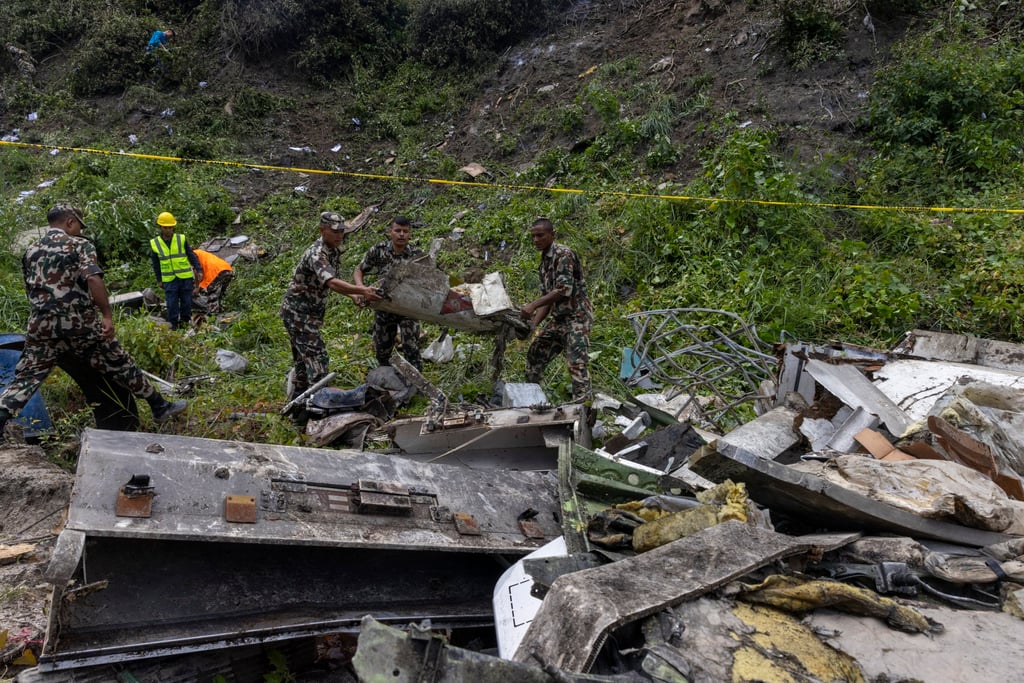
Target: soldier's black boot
{"type": "Point", "coordinates": [163, 409]}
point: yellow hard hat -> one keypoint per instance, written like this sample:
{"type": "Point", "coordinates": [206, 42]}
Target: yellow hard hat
{"type": "Point", "coordinates": [166, 219]}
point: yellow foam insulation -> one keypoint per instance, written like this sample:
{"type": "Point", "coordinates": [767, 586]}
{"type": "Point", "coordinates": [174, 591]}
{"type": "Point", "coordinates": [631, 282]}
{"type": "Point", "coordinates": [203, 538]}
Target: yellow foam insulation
{"type": "Point", "coordinates": [782, 650]}
{"type": "Point", "coordinates": [794, 594]}
{"type": "Point", "coordinates": [723, 503]}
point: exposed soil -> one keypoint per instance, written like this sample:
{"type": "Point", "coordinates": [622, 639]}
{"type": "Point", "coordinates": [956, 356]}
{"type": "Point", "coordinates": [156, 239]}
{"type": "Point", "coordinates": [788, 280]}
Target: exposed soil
{"type": "Point", "coordinates": [34, 495]}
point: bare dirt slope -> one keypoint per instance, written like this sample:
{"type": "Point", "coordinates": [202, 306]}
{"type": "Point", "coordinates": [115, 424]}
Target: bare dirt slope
{"type": "Point", "coordinates": [34, 495]}
{"type": "Point", "coordinates": [737, 47]}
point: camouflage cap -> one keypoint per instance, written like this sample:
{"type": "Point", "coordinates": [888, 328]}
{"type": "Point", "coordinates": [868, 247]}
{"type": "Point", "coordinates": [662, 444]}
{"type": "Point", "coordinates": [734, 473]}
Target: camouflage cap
{"type": "Point", "coordinates": [334, 220]}
{"type": "Point", "coordinates": [60, 210]}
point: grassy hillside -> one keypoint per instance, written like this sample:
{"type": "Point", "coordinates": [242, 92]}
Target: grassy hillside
{"type": "Point", "coordinates": [832, 170]}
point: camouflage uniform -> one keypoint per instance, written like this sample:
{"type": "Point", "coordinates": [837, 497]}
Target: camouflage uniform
{"type": "Point", "coordinates": [302, 312]}
{"type": "Point", "coordinates": [387, 326]}
{"type": "Point", "coordinates": [567, 326]}
{"type": "Point", "coordinates": [64, 320]}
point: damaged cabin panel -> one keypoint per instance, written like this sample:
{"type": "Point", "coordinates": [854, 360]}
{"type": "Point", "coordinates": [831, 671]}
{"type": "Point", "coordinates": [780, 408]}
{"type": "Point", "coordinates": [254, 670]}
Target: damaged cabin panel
{"type": "Point", "coordinates": [791, 490]}
{"type": "Point", "coordinates": [583, 607]}
{"type": "Point", "coordinates": [506, 438]}
{"type": "Point", "coordinates": [417, 289]}
{"type": "Point", "coordinates": [322, 538]}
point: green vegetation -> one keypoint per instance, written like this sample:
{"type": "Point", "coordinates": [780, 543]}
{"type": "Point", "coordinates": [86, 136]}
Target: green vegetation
{"type": "Point", "coordinates": [743, 228]}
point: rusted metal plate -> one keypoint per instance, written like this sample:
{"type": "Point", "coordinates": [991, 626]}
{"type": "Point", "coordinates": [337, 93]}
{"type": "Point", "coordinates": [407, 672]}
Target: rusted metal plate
{"type": "Point", "coordinates": [466, 524]}
{"type": "Point", "coordinates": [240, 509]}
{"type": "Point", "coordinates": [138, 505]}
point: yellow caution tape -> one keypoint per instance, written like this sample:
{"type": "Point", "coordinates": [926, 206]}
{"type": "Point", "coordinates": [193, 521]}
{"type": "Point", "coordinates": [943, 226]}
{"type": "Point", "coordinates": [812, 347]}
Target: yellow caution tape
{"type": "Point", "coordinates": [523, 188]}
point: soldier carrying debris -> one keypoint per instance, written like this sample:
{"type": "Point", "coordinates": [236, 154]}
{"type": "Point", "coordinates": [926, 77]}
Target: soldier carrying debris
{"type": "Point", "coordinates": [64, 285]}
{"type": "Point", "coordinates": [564, 303]}
{"type": "Point", "coordinates": [305, 301]}
{"type": "Point", "coordinates": [386, 326]}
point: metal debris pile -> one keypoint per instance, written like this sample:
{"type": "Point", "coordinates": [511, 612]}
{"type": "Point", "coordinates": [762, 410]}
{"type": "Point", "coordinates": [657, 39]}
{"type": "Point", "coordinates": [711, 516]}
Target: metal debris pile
{"type": "Point", "coordinates": [833, 513]}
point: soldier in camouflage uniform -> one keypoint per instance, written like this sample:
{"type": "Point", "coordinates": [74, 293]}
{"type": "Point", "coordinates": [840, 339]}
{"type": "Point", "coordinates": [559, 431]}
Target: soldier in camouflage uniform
{"type": "Point", "coordinates": [386, 326]}
{"type": "Point", "coordinates": [305, 301]}
{"type": "Point", "coordinates": [565, 305]}
{"type": "Point", "coordinates": [70, 314]}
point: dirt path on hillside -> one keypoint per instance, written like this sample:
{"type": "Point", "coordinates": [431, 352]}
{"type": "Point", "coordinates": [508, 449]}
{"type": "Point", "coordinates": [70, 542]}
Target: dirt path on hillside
{"type": "Point", "coordinates": [34, 496]}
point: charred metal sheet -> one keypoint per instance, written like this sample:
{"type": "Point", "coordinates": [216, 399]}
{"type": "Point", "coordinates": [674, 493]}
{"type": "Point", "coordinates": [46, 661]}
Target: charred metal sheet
{"type": "Point", "coordinates": [961, 348]}
{"type": "Point", "coordinates": [769, 435]}
{"type": "Point", "coordinates": [492, 438]}
{"type": "Point", "coordinates": [853, 388]}
{"type": "Point", "coordinates": [583, 607]}
{"type": "Point", "coordinates": [191, 477]}
{"type": "Point", "coordinates": [787, 489]}
{"type": "Point", "coordinates": [387, 654]}
{"type": "Point", "coordinates": [187, 580]}
{"type": "Point", "coordinates": [545, 570]}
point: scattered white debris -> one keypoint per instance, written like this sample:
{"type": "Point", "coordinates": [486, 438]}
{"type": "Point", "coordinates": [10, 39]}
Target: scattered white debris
{"type": "Point", "coordinates": [356, 121]}
{"type": "Point", "coordinates": [546, 88]}
{"type": "Point", "coordinates": [300, 188]}
{"type": "Point", "coordinates": [473, 170]}
{"type": "Point", "coordinates": [47, 183]}
{"type": "Point", "coordinates": [167, 113]}
{"type": "Point", "coordinates": [305, 148]}
{"type": "Point", "coordinates": [54, 152]}
{"type": "Point", "coordinates": [33, 116]}
{"type": "Point", "coordinates": [238, 239]}
{"type": "Point", "coordinates": [746, 123]}
{"type": "Point", "coordinates": [11, 137]}
{"type": "Point", "coordinates": [336, 148]}
{"type": "Point", "coordinates": [133, 138]}
{"type": "Point", "coordinates": [203, 84]}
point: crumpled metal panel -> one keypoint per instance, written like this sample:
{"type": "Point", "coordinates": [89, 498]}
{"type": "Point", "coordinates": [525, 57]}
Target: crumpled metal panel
{"type": "Point", "coordinates": [302, 495]}
{"type": "Point", "coordinates": [314, 561]}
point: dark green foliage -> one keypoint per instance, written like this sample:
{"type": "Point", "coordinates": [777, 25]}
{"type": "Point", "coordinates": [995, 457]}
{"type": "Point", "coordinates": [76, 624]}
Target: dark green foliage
{"type": "Point", "coordinates": [47, 25]}
{"type": "Point", "coordinates": [465, 32]}
{"type": "Point", "coordinates": [809, 33]}
{"type": "Point", "coordinates": [323, 38]}
{"type": "Point", "coordinates": [952, 108]}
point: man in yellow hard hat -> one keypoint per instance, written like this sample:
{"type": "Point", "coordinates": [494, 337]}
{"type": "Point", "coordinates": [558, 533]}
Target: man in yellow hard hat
{"type": "Point", "coordinates": [176, 268]}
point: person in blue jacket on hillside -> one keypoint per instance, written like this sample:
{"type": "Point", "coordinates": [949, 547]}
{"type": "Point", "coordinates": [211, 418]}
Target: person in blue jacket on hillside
{"type": "Point", "coordinates": [159, 40]}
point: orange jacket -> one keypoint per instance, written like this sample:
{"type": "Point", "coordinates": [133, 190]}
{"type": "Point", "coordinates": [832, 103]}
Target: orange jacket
{"type": "Point", "coordinates": [212, 266]}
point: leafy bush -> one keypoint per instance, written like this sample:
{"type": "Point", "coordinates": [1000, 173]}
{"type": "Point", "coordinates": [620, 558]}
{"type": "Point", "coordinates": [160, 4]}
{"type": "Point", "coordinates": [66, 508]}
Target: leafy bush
{"type": "Point", "coordinates": [322, 37]}
{"type": "Point", "coordinates": [952, 108]}
{"type": "Point", "coordinates": [809, 31]}
{"type": "Point", "coordinates": [111, 55]}
{"type": "Point", "coordinates": [465, 32]}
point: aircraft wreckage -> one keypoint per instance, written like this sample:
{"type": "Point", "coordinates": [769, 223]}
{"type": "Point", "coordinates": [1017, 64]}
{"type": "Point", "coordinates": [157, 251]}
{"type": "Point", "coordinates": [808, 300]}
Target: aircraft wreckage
{"type": "Point", "coordinates": [781, 511]}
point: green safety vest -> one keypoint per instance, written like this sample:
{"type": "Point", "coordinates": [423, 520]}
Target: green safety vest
{"type": "Point", "coordinates": [173, 260]}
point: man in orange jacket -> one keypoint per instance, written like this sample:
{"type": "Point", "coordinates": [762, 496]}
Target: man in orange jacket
{"type": "Point", "coordinates": [217, 274]}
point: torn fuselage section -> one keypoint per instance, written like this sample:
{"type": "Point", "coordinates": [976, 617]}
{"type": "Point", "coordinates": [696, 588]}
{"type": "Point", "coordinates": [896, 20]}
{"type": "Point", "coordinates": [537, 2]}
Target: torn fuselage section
{"type": "Point", "coordinates": [250, 543]}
